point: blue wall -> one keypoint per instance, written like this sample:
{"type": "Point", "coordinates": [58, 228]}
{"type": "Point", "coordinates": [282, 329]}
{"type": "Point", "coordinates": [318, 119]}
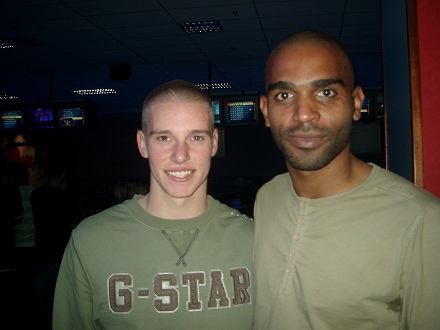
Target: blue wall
{"type": "Point", "coordinates": [397, 87]}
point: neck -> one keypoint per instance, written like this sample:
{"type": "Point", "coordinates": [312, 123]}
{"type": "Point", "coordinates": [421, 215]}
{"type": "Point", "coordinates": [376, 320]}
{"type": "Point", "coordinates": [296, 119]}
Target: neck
{"type": "Point", "coordinates": [345, 172]}
{"type": "Point", "coordinates": [174, 208]}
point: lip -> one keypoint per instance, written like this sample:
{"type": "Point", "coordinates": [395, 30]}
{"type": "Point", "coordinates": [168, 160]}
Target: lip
{"type": "Point", "coordinates": [179, 174]}
{"type": "Point", "coordinates": [307, 141]}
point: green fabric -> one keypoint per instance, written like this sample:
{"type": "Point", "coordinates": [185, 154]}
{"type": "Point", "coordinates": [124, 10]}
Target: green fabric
{"type": "Point", "coordinates": [25, 230]}
{"type": "Point", "coordinates": [367, 258]}
{"type": "Point", "coordinates": [119, 272]}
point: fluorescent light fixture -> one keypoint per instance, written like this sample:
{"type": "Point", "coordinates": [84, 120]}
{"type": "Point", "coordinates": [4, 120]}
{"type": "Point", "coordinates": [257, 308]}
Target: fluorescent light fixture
{"type": "Point", "coordinates": [5, 45]}
{"type": "Point", "coordinates": [7, 97]}
{"type": "Point", "coordinates": [215, 86]}
{"type": "Point", "coordinates": [201, 27]}
{"type": "Point", "coordinates": [97, 91]}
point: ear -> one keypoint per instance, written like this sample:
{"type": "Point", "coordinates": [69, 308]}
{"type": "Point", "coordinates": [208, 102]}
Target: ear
{"type": "Point", "coordinates": [358, 99]}
{"type": "Point", "coordinates": [263, 108]}
{"type": "Point", "coordinates": [214, 142]}
{"type": "Point", "coordinates": [140, 137]}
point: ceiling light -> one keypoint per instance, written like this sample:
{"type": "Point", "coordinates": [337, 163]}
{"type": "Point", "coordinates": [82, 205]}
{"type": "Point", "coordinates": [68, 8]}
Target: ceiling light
{"type": "Point", "coordinates": [8, 97]}
{"type": "Point", "coordinates": [201, 27]}
{"type": "Point", "coordinates": [97, 91]}
{"type": "Point", "coordinates": [215, 86]}
{"type": "Point", "coordinates": [5, 45]}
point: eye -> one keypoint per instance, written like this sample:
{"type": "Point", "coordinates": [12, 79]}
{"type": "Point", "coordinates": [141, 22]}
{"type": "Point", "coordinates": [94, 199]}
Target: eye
{"type": "Point", "coordinates": [282, 96]}
{"type": "Point", "coordinates": [163, 138]}
{"type": "Point", "coordinates": [327, 93]}
{"type": "Point", "coordinates": [198, 138]}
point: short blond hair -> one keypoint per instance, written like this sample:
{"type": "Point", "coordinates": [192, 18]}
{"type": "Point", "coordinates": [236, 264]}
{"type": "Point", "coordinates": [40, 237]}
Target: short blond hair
{"type": "Point", "coordinates": [175, 90]}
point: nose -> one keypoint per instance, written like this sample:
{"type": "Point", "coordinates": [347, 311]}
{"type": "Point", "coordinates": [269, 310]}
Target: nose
{"type": "Point", "coordinates": [305, 110]}
{"type": "Point", "coordinates": [180, 153]}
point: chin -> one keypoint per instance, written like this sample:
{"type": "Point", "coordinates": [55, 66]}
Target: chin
{"type": "Point", "coordinates": [181, 194]}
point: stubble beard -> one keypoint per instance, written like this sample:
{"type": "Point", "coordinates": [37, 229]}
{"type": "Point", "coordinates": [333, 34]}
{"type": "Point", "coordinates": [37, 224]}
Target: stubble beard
{"type": "Point", "coordinates": [310, 159]}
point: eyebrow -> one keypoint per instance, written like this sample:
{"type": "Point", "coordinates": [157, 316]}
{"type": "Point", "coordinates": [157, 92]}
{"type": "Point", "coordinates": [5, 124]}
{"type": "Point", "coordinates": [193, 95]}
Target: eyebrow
{"type": "Point", "coordinates": [154, 132]}
{"type": "Point", "coordinates": [315, 83]}
{"type": "Point", "coordinates": [328, 82]}
{"type": "Point", "coordinates": [201, 131]}
{"type": "Point", "coordinates": [167, 132]}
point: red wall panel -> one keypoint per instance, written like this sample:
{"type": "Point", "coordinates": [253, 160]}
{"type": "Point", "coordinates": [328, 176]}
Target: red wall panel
{"type": "Point", "coordinates": [429, 44]}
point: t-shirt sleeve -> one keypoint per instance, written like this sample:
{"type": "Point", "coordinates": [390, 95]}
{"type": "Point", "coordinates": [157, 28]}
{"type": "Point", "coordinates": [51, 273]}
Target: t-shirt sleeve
{"type": "Point", "coordinates": [73, 302]}
{"type": "Point", "coordinates": [421, 282]}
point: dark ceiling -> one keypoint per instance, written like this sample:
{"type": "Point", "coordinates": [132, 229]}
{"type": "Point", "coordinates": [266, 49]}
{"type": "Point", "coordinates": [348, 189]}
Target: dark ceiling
{"type": "Point", "coordinates": [66, 45]}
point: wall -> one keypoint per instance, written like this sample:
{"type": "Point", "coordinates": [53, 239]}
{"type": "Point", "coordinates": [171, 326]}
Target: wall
{"type": "Point", "coordinates": [396, 78]}
{"type": "Point", "coordinates": [110, 149]}
{"type": "Point", "coordinates": [100, 157]}
{"type": "Point", "coordinates": [397, 87]}
{"type": "Point", "coordinates": [429, 44]}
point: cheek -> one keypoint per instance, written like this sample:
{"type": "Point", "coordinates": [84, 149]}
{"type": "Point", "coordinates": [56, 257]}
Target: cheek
{"type": "Point", "coordinates": [276, 120]}
{"type": "Point", "coordinates": [156, 154]}
{"type": "Point", "coordinates": [202, 156]}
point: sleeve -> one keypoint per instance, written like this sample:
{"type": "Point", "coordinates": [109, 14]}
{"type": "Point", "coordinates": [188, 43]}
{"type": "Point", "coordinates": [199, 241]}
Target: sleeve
{"type": "Point", "coordinates": [18, 207]}
{"type": "Point", "coordinates": [73, 301]}
{"type": "Point", "coordinates": [421, 289]}
{"type": "Point", "coordinates": [12, 208]}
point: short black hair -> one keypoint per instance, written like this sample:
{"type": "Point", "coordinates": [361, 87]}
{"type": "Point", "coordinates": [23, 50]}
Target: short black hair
{"type": "Point", "coordinates": [317, 38]}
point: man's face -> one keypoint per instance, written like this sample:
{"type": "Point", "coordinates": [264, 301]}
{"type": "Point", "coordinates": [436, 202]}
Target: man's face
{"type": "Point", "coordinates": [310, 105]}
{"type": "Point", "coordinates": [179, 142]}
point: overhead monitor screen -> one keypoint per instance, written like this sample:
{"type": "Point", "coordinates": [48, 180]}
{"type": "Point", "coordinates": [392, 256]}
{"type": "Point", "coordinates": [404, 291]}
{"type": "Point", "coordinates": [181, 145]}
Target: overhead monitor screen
{"type": "Point", "coordinates": [11, 119]}
{"type": "Point", "coordinates": [40, 118]}
{"type": "Point", "coordinates": [241, 110]}
{"type": "Point", "coordinates": [71, 117]}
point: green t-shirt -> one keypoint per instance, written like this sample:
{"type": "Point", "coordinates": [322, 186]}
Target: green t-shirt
{"type": "Point", "coordinates": [367, 258]}
{"type": "Point", "coordinates": [126, 269]}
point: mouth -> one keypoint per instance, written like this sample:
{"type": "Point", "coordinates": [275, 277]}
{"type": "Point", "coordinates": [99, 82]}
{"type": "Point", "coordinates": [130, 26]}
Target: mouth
{"type": "Point", "coordinates": [305, 141]}
{"type": "Point", "coordinates": [179, 174]}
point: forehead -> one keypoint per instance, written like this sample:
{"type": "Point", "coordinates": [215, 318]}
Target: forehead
{"type": "Point", "coordinates": [304, 63]}
{"type": "Point", "coordinates": [179, 113]}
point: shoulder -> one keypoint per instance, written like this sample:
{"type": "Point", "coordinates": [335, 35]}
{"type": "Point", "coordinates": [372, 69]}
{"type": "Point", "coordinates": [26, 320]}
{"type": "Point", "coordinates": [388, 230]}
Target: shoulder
{"type": "Point", "coordinates": [395, 186]}
{"type": "Point", "coordinates": [227, 212]}
{"type": "Point", "coordinates": [230, 216]}
{"type": "Point", "coordinates": [108, 218]}
{"type": "Point", "coordinates": [280, 183]}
